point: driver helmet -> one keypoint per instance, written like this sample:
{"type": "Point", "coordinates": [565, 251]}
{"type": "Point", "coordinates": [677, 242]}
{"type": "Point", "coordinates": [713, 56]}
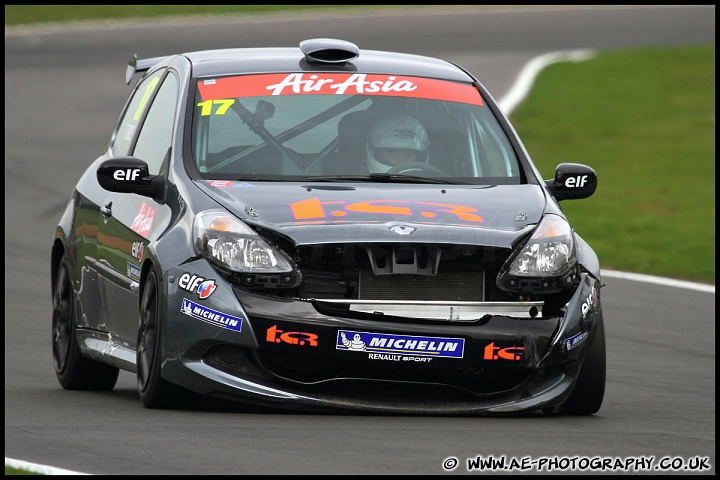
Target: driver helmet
{"type": "Point", "coordinates": [394, 140]}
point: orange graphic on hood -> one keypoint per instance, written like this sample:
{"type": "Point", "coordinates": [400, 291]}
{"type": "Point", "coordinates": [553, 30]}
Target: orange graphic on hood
{"type": "Point", "coordinates": [313, 208]}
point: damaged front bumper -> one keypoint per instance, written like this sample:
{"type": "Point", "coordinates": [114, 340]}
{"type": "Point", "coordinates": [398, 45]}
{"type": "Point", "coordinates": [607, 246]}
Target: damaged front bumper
{"type": "Point", "coordinates": [372, 356]}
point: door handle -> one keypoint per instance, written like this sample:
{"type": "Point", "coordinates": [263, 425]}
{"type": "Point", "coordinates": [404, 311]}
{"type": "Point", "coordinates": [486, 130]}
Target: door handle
{"type": "Point", "coordinates": [107, 211]}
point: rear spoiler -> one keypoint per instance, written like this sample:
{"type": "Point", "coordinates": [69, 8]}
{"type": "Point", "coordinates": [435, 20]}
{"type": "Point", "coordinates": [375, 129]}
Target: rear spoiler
{"type": "Point", "coordinates": [139, 66]}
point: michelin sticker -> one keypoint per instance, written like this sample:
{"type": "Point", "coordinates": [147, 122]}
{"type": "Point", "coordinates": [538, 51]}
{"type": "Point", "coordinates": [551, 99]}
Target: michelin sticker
{"type": "Point", "coordinates": [133, 271]}
{"type": "Point", "coordinates": [575, 340]}
{"type": "Point", "coordinates": [382, 346]}
{"type": "Point", "coordinates": [211, 316]}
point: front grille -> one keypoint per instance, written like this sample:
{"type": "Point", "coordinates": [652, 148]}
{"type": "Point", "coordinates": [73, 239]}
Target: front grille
{"type": "Point", "coordinates": [403, 272]}
{"type": "Point", "coordinates": [447, 286]}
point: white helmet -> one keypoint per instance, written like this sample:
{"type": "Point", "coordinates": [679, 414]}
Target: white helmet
{"type": "Point", "coordinates": [399, 133]}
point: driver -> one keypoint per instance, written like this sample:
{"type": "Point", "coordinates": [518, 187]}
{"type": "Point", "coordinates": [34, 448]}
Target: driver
{"type": "Point", "coordinates": [395, 140]}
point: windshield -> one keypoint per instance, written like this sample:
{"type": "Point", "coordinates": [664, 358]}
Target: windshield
{"type": "Point", "coordinates": [327, 126]}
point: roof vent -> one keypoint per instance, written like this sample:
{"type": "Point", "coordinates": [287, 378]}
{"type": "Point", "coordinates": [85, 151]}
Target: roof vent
{"type": "Point", "coordinates": [329, 50]}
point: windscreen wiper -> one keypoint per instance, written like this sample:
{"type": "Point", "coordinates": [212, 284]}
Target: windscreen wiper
{"type": "Point", "coordinates": [379, 177]}
{"type": "Point", "coordinates": [402, 178]}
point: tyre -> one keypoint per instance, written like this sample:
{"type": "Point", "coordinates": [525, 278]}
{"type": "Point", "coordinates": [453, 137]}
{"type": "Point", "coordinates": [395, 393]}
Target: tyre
{"type": "Point", "coordinates": [74, 372]}
{"type": "Point", "coordinates": [587, 396]}
{"type": "Point", "coordinates": [154, 391]}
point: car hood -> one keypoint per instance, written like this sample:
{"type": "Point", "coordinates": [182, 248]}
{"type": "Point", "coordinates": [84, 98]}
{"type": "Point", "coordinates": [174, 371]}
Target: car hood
{"type": "Point", "coordinates": [365, 213]}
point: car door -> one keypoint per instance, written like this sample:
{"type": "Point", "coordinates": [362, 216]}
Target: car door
{"type": "Point", "coordinates": [129, 222]}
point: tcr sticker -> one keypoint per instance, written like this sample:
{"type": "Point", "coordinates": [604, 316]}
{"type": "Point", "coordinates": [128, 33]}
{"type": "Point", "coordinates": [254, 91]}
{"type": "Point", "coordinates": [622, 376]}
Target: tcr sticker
{"type": "Point", "coordinates": [303, 339]}
{"type": "Point", "coordinates": [492, 352]}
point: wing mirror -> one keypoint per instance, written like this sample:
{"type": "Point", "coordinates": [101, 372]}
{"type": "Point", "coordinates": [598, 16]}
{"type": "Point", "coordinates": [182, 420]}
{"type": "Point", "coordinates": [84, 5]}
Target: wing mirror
{"type": "Point", "coordinates": [130, 175]}
{"type": "Point", "coordinates": [572, 181]}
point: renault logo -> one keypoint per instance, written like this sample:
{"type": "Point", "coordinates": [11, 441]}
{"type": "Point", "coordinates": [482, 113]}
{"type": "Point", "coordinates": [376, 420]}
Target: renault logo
{"type": "Point", "coordinates": [402, 229]}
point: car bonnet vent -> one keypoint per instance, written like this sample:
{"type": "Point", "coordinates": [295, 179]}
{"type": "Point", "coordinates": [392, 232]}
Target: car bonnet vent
{"type": "Point", "coordinates": [329, 50]}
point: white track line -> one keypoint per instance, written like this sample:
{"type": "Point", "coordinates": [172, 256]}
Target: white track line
{"type": "Point", "coordinates": [530, 71]}
{"type": "Point", "coordinates": [37, 468]}
{"type": "Point", "coordinates": [669, 282]}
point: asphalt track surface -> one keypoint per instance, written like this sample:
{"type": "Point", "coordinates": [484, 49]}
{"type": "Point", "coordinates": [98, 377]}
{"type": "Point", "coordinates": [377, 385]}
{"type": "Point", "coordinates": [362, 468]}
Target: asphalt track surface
{"type": "Point", "coordinates": [63, 92]}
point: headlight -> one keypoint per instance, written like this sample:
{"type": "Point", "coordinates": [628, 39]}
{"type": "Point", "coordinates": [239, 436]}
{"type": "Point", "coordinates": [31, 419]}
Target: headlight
{"type": "Point", "coordinates": [234, 245]}
{"type": "Point", "coordinates": [546, 261]}
{"type": "Point", "coordinates": [549, 252]}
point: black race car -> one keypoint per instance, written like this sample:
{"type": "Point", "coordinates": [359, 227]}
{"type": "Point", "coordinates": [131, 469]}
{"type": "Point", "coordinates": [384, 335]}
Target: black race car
{"type": "Point", "coordinates": [330, 229]}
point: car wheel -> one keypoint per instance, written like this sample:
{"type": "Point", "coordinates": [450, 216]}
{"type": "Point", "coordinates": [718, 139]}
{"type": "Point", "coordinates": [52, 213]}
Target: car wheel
{"type": "Point", "coordinates": [587, 396]}
{"type": "Point", "coordinates": [155, 392]}
{"type": "Point", "coordinates": [74, 372]}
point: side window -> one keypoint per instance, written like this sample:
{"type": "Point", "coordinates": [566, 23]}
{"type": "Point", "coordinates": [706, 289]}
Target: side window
{"type": "Point", "coordinates": [127, 127]}
{"type": "Point", "coordinates": [155, 136]}
{"type": "Point", "coordinates": [492, 150]}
